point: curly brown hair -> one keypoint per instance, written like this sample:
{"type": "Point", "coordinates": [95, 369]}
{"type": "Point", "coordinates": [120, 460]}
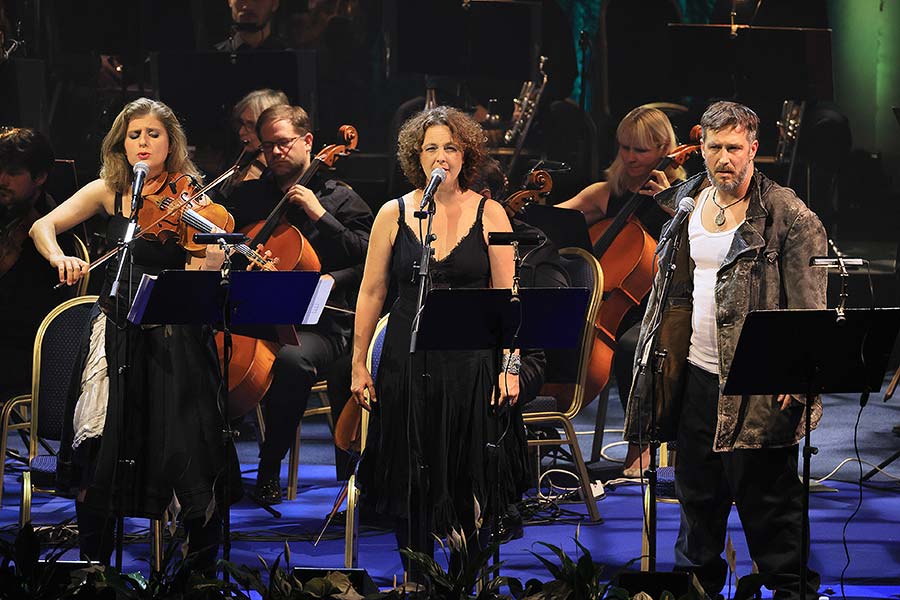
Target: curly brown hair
{"type": "Point", "coordinates": [465, 131]}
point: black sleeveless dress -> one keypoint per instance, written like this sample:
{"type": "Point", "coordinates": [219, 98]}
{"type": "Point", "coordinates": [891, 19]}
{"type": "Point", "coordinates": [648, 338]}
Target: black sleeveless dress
{"type": "Point", "coordinates": [650, 215]}
{"type": "Point", "coordinates": [449, 419]}
{"type": "Point", "coordinates": [165, 400]}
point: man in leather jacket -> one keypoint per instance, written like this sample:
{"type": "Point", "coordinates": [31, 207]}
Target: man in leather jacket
{"type": "Point", "coordinates": [746, 246]}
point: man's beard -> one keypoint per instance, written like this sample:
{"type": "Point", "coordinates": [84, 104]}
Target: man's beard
{"type": "Point", "coordinates": [728, 188]}
{"type": "Point", "coordinates": [11, 211]}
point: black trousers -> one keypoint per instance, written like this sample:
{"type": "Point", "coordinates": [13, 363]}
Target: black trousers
{"type": "Point", "coordinates": [762, 483]}
{"type": "Point", "coordinates": [296, 370]}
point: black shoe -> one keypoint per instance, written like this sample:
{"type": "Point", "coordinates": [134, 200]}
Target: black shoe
{"type": "Point", "coordinates": [268, 490]}
{"type": "Point", "coordinates": [509, 526]}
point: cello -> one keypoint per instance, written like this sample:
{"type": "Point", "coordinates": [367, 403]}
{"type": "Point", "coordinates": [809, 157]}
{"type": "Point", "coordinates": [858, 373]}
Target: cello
{"type": "Point", "coordinates": [250, 369]}
{"type": "Point", "coordinates": [626, 254]}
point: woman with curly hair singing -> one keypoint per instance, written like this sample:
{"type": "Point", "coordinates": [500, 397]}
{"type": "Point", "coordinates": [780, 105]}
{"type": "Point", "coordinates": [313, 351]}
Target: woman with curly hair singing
{"type": "Point", "coordinates": [433, 413]}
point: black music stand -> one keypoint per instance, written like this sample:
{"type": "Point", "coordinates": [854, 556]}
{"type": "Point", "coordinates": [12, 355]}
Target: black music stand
{"type": "Point", "coordinates": [254, 302]}
{"type": "Point", "coordinates": [482, 318]}
{"type": "Point", "coordinates": [488, 318]}
{"type": "Point", "coordinates": [838, 356]}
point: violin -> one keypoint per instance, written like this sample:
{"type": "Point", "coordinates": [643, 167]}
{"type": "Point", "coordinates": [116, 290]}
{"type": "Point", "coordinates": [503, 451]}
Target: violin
{"type": "Point", "coordinates": [537, 188]}
{"type": "Point", "coordinates": [12, 239]}
{"type": "Point", "coordinates": [170, 211]}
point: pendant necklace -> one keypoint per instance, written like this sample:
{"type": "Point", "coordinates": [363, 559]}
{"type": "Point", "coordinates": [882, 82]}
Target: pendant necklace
{"type": "Point", "coordinates": [719, 219]}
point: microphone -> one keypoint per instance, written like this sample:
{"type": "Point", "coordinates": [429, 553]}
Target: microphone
{"type": "Point", "coordinates": [438, 175]}
{"type": "Point", "coordinates": [506, 238]}
{"type": "Point", "coordinates": [140, 173]}
{"type": "Point", "coordinates": [685, 207]}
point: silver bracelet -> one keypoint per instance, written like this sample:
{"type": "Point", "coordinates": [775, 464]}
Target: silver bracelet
{"type": "Point", "coordinates": [510, 363]}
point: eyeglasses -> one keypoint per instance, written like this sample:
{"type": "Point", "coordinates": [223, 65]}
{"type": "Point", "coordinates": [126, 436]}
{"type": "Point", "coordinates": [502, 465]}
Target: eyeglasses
{"type": "Point", "coordinates": [283, 145]}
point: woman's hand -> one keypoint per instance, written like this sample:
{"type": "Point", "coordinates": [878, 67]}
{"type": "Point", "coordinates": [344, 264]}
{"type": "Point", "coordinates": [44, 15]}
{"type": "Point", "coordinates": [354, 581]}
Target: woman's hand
{"type": "Point", "coordinates": [508, 385]}
{"type": "Point", "coordinates": [362, 388]}
{"type": "Point", "coordinates": [215, 256]}
{"type": "Point", "coordinates": [70, 268]}
{"type": "Point", "coordinates": [657, 183]}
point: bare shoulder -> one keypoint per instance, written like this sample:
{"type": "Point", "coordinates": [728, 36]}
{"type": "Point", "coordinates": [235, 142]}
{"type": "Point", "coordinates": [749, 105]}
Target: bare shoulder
{"type": "Point", "coordinates": [495, 217]}
{"type": "Point", "coordinates": [390, 209]}
{"type": "Point", "coordinates": [97, 195]}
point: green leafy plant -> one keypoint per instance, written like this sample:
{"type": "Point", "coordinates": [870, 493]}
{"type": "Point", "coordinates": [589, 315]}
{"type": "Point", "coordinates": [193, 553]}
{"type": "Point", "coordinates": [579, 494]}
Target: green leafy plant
{"type": "Point", "coordinates": [22, 574]}
{"type": "Point", "coordinates": [274, 582]}
{"type": "Point", "coordinates": [467, 571]}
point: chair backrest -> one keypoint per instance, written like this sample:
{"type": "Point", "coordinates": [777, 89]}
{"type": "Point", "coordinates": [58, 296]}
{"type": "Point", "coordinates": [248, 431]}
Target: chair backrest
{"type": "Point", "coordinates": [570, 366]}
{"type": "Point", "coordinates": [373, 359]}
{"type": "Point", "coordinates": [81, 252]}
{"type": "Point", "coordinates": [56, 347]}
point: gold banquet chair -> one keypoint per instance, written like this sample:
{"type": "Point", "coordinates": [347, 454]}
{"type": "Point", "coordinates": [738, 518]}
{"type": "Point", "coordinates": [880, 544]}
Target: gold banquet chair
{"type": "Point", "coordinates": [56, 348]}
{"type": "Point", "coordinates": [351, 529]}
{"type": "Point", "coordinates": [548, 409]}
{"type": "Point", "coordinates": [81, 252]}
{"type": "Point", "coordinates": [15, 413]}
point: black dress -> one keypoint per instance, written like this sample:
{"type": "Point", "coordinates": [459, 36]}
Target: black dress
{"type": "Point", "coordinates": [165, 399]}
{"type": "Point", "coordinates": [449, 420]}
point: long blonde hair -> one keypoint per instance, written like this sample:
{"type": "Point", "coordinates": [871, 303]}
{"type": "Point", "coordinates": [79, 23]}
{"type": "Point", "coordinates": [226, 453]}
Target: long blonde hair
{"type": "Point", "coordinates": [643, 127]}
{"type": "Point", "coordinates": [115, 170]}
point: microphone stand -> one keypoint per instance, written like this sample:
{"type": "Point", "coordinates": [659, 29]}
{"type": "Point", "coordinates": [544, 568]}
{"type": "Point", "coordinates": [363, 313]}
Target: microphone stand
{"type": "Point", "coordinates": [425, 212]}
{"type": "Point", "coordinates": [124, 473]}
{"type": "Point", "coordinates": [227, 432]}
{"type": "Point", "coordinates": [125, 243]}
{"type": "Point", "coordinates": [650, 357]}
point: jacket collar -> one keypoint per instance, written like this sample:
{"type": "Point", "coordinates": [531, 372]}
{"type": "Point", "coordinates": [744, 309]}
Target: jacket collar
{"type": "Point", "coordinates": [748, 237]}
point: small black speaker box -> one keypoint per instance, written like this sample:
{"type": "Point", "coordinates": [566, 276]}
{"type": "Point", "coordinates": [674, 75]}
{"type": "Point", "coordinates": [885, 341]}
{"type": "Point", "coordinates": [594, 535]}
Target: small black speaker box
{"type": "Point", "coordinates": [655, 583]}
{"type": "Point", "coordinates": [360, 579]}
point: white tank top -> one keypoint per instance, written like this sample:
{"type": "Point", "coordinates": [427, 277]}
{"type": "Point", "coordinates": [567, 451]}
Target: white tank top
{"type": "Point", "coordinates": [708, 250]}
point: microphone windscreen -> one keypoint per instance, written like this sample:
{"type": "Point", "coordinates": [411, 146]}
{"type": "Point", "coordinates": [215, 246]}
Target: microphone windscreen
{"type": "Point", "coordinates": [141, 167]}
{"type": "Point", "coordinates": [686, 204]}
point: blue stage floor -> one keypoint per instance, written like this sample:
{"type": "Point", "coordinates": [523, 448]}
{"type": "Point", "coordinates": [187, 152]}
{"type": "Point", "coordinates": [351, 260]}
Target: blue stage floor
{"type": "Point", "coordinates": [873, 536]}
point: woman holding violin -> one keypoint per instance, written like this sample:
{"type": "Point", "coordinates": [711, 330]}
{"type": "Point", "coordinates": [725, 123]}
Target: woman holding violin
{"type": "Point", "coordinates": [644, 137]}
{"type": "Point", "coordinates": [141, 394]}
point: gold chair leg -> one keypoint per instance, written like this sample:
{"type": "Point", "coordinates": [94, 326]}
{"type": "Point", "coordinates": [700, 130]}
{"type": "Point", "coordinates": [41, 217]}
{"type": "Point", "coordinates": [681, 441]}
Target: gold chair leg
{"type": "Point", "coordinates": [25, 505]}
{"type": "Point", "coordinates": [156, 542]}
{"type": "Point", "coordinates": [294, 466]}
{"type": "Point", "coordinates": [645, 539]}
{"type": "Point", "coordinates": [261, 422]}
{"type": "Point", "coordinates": [351, 537]}
{"type": "Point", "coordinates": [583, 476]}
{"type": "Point", "coordinates": [4, 435]}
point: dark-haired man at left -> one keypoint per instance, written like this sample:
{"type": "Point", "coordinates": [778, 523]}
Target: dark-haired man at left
{"type": "Point", "coordinates": [26, 281]}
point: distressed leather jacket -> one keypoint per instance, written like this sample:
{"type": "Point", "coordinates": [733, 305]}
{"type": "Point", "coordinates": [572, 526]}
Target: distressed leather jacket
{"type": "Point", "coordinates": [767, 267]}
